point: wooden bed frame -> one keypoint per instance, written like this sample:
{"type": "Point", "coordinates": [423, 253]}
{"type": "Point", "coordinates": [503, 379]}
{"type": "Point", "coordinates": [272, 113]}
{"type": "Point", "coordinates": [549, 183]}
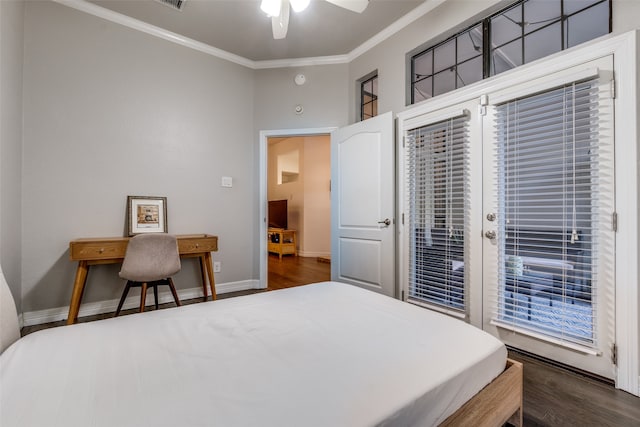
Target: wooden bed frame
{"type": "Point", "coordinates": [499, 402]}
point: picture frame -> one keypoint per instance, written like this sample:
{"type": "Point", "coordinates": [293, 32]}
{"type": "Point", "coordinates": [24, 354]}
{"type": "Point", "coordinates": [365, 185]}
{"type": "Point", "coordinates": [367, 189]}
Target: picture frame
{"type": "Point", "coordinates": [146, 214]}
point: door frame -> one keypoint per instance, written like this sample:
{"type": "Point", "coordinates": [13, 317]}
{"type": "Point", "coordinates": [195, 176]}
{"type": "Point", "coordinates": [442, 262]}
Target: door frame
{"type": "Point", "coordinates": [263, 254]}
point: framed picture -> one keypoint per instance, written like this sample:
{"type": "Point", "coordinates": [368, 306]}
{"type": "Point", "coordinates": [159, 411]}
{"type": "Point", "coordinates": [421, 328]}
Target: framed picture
{"type": "Point", "coordinates": [146, 214]}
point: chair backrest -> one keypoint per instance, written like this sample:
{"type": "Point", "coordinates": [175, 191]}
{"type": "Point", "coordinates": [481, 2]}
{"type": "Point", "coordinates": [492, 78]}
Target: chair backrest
{"type": "Point", "coordinates": [9, 327]}
{"type": "Point", "coordinates": [151, 257]}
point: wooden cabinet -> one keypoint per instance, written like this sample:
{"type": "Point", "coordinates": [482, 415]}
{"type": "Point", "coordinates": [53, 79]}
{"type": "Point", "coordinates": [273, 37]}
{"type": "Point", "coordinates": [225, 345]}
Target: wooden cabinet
{"type": "Point", "coordinates": [281, 242]}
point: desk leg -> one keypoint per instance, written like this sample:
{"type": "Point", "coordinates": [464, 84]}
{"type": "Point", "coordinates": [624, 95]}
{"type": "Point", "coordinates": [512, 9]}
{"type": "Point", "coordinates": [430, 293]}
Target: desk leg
{"type": "Point", "coordinates": [78, 290]}
{"type": "Point", "coordinates": [203, 273]}
{"type": "Point", "coordinates": [212, 282]}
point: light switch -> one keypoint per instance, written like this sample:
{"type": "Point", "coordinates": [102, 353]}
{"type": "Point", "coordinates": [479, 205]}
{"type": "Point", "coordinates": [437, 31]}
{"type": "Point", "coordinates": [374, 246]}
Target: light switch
{"type": "Point", "coordinates": [227, 181]}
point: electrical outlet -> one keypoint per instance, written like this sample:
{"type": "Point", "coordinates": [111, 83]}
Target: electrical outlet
{"type": "Point", "coordinates": [216, 267]}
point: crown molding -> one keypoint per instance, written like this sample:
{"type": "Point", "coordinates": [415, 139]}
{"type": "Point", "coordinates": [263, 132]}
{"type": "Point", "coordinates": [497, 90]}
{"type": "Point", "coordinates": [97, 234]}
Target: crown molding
{"type": "Point", "coordinates": [136, 24]}
{"type": "Point", "coordinates": [392, 29]}
{"type": "Point", "coordinates": [302, 62]}
{"type": "Point", "coordinates": [144, 27]}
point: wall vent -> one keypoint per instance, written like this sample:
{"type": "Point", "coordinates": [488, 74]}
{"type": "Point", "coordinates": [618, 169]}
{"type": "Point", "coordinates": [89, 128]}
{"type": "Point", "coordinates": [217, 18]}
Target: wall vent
{"type": "Point", "coordinates": [174, 4]}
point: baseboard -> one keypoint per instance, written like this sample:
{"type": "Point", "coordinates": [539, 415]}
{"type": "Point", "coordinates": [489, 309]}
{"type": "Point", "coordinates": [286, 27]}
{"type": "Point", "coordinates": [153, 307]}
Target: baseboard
{"type": "Point", "coordinates": [311, 254]}
{"type": "Point", "coordinates": [31, 318]}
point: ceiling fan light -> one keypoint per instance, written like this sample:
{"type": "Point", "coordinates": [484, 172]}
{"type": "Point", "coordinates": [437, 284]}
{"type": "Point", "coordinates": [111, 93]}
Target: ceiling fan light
{"type": "Point", "coordinates": [280, 23]}
{"type": "Point", "coordinates": [299, 5]}
{"type": "Point", "coordinates": [271, 7]}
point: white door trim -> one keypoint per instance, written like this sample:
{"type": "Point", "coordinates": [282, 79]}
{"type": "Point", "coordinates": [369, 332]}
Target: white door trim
{"type": "Point", "coordinates": [262, 177]}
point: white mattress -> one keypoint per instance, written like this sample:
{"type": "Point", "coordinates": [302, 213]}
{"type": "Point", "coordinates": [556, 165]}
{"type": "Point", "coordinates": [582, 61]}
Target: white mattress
{"type": "Point", "coordinates": [326, 354]}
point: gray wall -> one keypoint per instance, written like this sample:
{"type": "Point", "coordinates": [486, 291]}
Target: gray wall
{"type": "Point", "coordinates": [324, 97]}
{"type": "Point", "coordinates": [111, 112]}
{"type": "Point", "coordinates": [11, 43]}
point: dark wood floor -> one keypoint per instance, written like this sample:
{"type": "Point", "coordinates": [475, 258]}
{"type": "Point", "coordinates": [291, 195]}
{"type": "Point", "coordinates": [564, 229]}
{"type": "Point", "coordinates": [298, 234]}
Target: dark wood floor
{"type": "Point", "coordinates": [296, 270]}
{"type": "Point", "coordinates": [556, 397]}
{"type": "Point", "coordinates": [553, 397]}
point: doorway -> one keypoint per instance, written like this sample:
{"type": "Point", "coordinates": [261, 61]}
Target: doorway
{"type": "Point", "coordinates": [295, 177]}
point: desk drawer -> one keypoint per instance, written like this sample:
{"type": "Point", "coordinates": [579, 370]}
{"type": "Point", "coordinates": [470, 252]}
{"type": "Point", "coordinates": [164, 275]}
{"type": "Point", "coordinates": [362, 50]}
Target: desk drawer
{"type": "Point", "coordinates": [97, 250]}
{"type": "Point", "coordinates": [198, 245]}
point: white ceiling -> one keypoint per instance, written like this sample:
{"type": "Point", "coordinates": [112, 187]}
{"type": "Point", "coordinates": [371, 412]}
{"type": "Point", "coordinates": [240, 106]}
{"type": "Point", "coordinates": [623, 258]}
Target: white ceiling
{"type": "Point", "coordinates": [241, 28]}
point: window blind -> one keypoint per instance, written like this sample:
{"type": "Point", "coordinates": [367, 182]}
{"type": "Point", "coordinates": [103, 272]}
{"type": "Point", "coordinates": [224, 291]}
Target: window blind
{"type": "Point", "coordinates": [548, 219]}
{"type": "Point", "coordinates": [437, 165]}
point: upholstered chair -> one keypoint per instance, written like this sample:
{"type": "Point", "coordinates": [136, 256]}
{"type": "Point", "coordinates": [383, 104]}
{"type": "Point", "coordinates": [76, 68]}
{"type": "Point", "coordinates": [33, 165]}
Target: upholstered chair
{"type": "Point", "coordinates": [150, 260]}
{"type": "Point", "coordinates": [9, 328]}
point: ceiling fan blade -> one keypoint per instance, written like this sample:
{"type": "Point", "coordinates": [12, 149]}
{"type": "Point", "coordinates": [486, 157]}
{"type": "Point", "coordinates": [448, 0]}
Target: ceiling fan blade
{"type": "Point", "coordinates": [353, 5]}
{"type": "Point", "coordinates": [280, 23]}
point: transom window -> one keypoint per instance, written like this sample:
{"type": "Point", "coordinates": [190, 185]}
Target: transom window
{"type": "Point", "coordinates": [369, 97]}
{"type": "Point", "coordinates": [523, 32]}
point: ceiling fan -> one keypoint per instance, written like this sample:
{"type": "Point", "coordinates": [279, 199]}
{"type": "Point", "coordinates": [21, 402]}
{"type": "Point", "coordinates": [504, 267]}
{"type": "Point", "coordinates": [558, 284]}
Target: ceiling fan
{"type": "Point", "coordinates": [278, 10]}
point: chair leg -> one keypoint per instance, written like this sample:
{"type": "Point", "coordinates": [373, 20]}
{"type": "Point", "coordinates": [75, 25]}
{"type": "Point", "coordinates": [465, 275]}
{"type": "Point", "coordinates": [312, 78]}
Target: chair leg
{"type": "Point", "coordinates": [173, 291]}
{"type": "Point", "coordinates": [143, 296]}
{"type": "Point", "coordinates": [123, 297]}
{"type": "Point", "coordinates": [155, 294]}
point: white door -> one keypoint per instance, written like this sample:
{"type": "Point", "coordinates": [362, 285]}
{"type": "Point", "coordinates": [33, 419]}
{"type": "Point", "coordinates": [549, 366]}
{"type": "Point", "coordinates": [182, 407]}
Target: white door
{"type": "Point", "coordinates": [548, 251]}
{"type": "Point", "coordinates": [363, 205]}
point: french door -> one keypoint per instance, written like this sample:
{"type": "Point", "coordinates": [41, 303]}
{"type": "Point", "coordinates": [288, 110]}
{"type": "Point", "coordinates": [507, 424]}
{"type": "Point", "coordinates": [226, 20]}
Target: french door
{"type": "Point", "coordinates": [548, 210]}
{"type": "Point", "coordinates": [443, 205]}
{"type": "Point", "coordinates": [509, 208]}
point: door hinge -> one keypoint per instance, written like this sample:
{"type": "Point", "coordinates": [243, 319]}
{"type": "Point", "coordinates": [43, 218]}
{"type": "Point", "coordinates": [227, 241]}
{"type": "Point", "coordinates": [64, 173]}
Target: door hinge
{"type": "Point", "coordinates": [402, 295]}
{"type": "Point", "coordinates": [403, 218]}
{"type": "Point", "coordinates": [614, 221]}
{"type": "Point", "coordinates": [614, 354]}
{"type": "Point", "coordinates": [482, 107]}
{"type": "Point", "coordinates": [612, 88]}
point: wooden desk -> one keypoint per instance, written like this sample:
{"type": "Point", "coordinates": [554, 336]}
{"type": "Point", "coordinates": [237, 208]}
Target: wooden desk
{"type": "Point", "coordinates": [111, 250]}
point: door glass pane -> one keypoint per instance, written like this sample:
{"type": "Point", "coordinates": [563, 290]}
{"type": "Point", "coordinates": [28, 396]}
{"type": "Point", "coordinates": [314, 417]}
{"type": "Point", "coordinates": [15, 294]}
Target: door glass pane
{"type": "Point", "coordinates": [542, 43]}
{"type": "Point", "coordinates": [437, 155]}
{"type": "Point", "coordinates": [587, 25]}
{"type": "Point", "coordinates": [548, 212]}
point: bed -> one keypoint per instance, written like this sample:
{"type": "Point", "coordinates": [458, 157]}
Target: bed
{"type": "Point", "coordinates": [326, 354]}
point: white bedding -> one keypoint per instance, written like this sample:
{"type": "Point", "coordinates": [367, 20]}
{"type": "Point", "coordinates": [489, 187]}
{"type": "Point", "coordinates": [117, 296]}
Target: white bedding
{"type": "Point", "coordinates": [326, 354]}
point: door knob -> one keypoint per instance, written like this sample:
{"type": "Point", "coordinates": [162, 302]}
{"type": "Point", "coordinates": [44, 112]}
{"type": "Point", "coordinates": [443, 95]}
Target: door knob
{"type": "Point", "coordinates": [490, 234]}
{"type": "Point", "coordinates": [386, 222]}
